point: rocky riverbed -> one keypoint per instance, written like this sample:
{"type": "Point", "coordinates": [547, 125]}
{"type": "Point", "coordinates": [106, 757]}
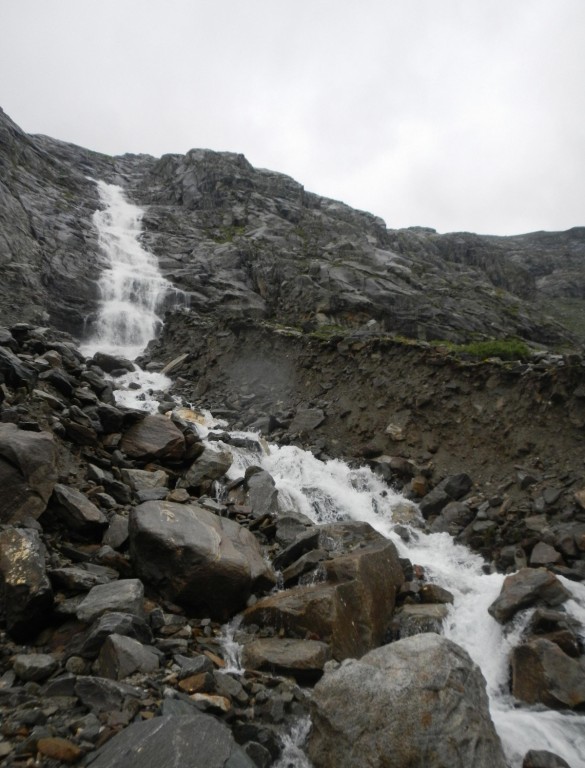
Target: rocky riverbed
{"type": "Point", "coordinates": [127, 544]}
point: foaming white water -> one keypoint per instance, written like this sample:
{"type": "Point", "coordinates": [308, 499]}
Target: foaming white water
{"type": "Point", "coordinates": [132, 288]}
{"type": "Point", "coordinates": [332, 491]}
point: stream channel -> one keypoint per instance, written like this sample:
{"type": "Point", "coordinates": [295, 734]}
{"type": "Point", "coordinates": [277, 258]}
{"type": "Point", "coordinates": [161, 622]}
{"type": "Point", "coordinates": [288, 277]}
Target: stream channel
{"type": "Point", "coordinates": [133, 292]}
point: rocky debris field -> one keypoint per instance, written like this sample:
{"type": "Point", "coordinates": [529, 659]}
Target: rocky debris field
{"type": "Point", "coordinates": [126, 553]}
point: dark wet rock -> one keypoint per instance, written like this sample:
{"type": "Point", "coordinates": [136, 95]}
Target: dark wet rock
{"type": "Point", "coordinates": [35, 666]}
{"type": "Point", "coordinates": [110, 363]}
{"type": "Point", "coordinates": [25, 586]}
{"type": "Point", "coordinates": [99, 694]}
{"type": "Point", "coordinates": [262, 496]}
{"type": "Point", "coordinates": [28, 472]}
{"type": "Point", "coordinates": [123, 596]}
{"type": "Point", "coordinates": [453, 518]}
{"type": "Point", "coordinates": [359, 710]}
{"type": "Point", "coordinates": [81, 578]}
{"type": "Point", "coordinates": [301, 659]}
{"type": "Point", "coordinates": [525, 588]}
{"type": "Point", "coordinates": [452, 488]}
{"type": "Point", "coordinates": [415, 619]}
{"type": "Point", "coordinates": [195, 558]}
{"type": "Point", "coordinates": [543, 674]}
{"type": "Point", "coordinates": [306, 420]}
{"type": "Point", "coordinates": [305, 542]}
{"type": "Point", "coordinates": [540, 758]}
{"type": "Point", "coordinates": [121, 656]}
{"type": "Point", "coordinates": [192, 741]}
{"type": "Point", "coordinates": [15, 372]}
{"type": "Point", "coordinates": [126, 624]}
{"type": "Point", "coordinates": [210, 465]}
{"type": "Point", "coordinates": [153, 437]}
{"type": "Point", "coordinates": [77, 512]}
{"type": "Point", "coordinates": [290, 526]}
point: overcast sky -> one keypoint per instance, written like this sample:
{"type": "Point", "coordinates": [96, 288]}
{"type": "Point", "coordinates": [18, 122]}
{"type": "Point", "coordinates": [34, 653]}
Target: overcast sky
{"type": "Point", "coordinates": [452, 114]}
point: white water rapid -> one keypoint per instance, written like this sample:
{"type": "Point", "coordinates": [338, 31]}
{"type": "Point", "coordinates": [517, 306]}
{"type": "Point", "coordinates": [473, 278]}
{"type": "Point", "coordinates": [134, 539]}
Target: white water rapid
{"type": "Point", "coordinates": [132, 292]}
{"type": "Point", "coordinates": [333, 491]}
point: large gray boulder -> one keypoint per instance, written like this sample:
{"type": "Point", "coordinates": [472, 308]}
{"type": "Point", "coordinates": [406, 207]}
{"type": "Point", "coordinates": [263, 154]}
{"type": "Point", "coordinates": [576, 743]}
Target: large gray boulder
{"type": "Point", "coordinates": [416, 702]}
{"type": "Point", "coordinates": [195, 558]}
{"type": "Point", "coordinates": [211, 464]}
{"type": "Point", "coordinates": [28, 472]}
{"type": "Point", "coordinates": [191, 741]}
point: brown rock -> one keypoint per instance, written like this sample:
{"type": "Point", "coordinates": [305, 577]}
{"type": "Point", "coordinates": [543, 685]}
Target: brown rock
{"type": "Point", "coordinates": [201, 683]}
{"type": "Point", "coordinates": [543, 674]}
{"type": "Point", "coordinates": [352, 611]}
{"type": "Point", "coordinates": [59, 749]}
{"type": "Point", "coordinates": [154, 437]}
{"type": "Point", "coordinates": [303, 659]}
{"type": "Point", "coordinates": [524, 588]}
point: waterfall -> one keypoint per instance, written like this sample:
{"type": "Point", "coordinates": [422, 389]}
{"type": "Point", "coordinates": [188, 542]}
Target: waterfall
{"type": "Point", "coordinates": [131, 288]}
{"type": "Point", "coordinates": [132, 291]}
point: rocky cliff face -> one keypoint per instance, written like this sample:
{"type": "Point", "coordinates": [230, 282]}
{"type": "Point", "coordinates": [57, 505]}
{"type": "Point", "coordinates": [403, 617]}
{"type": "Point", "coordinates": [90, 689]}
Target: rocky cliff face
{"type": "Point", "coordinates": [251, 243]}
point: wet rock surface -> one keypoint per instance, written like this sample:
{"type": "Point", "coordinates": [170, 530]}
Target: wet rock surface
{"type": "Point", "coordinates": [360, 708]}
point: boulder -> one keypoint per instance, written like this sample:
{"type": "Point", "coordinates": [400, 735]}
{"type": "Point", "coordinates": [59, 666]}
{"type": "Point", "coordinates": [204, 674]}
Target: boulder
{"type": "Point", "coordinates": [541, 758]}
{"type": "Point", "coordinates": [543, 674]}
{"type": "Point", "coordinates": [77, 512]}
{"type": "Point", "coordinates": [121, 656]}
{"type": "Point", "coordinates": [452, 488]}
{"type": "Point", "coordinates": [262, 496]}
{"type": "Point", "coordinates": [525, 588]}
{"type": "Point", "coordinates": [99, 694]}
{"type": "Point", "coordinates": [195, 558]}
{"type": "Point", "coordinates": [351, 611]}
{"type": "Point", "coordinates": [153, 437]}
{"type": "Point", "coordinates": [419, 701]}
{"type": "Point", "coordinates": [28, 472]}
{"type": "Point", "coordinates": [25, 587]}
{"type": "Point", "coordinates": [34, 666]}
{"type": "Point", "coordinates": [15, 372]}
{"type": "Point", "coordinates": [416, 619]}
{"type": "Point", "coordinates": [125, 624]}
{"type": "Point", "coordinates": [210, 465]}
{"type": "Point", "coordinates": [189, 741]}
{"type": "Point", "coordinates": [306, 420]}
{"type": "Point", "coordinates": [302, 659]}
{"type": "Point", "coordinates": [123, 596]}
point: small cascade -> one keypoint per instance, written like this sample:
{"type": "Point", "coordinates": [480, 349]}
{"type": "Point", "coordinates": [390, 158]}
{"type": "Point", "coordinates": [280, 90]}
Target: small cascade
{"type": "Point", "coordinates": [232, 650]}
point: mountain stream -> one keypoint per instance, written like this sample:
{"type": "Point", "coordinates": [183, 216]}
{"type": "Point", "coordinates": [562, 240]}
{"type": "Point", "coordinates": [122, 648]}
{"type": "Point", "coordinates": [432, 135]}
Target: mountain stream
{"type": "Point", "coordinates": [133, 291]}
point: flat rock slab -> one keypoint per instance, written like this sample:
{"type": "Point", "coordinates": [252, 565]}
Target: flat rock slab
{"type": "Point", "coordinates": [77, 512]}
{"type": "Point", "coordinates": [124, 596]}
{"type": "Point", "coordinates": [28, 472]}
{"type": "Point", "coordinates": [191, 741]}
{"type": "Point", "coordinates": [419, 701]}
{"type": "Point", "coordinates": [303, 659]}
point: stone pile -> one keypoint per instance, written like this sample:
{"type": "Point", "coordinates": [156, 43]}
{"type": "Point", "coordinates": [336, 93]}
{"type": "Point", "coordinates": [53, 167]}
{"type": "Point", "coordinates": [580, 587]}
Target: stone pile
{"type": "Point", "coordinates": [118, 565]}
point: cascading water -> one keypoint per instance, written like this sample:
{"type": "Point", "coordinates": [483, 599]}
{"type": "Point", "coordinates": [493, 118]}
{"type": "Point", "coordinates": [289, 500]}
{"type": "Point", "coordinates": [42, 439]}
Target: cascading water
{"type": "Point", "coordinates": [132, 292]}
{"type": "Point", "coordinates": [333, 491]}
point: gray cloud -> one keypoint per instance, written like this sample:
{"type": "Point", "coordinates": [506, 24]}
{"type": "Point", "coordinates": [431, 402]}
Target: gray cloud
{"type": "Point", "coordinates": [459, 114]}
